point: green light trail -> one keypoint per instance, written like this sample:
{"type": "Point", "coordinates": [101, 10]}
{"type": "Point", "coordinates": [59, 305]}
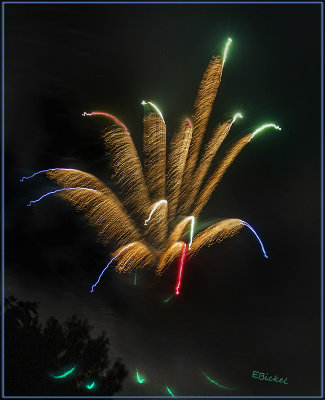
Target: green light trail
{"type": "Point", "coordinates": [65, 374]}
{"type": "Point", "coordinates": [168, 298]}
{"type": "Point", "coordinates": [264, 127]}
{"type": "Point", "coordinates": [135, 279]}
{"type": "Point", "coordinates": [90, 386]}
{"type": "Point", "coordinates": [169, 391]}
{"type": "Point", "coordinates": [215, 382]}
{"type": "Point", "coordinates": [226, 51]}
{"type": "Point", "coordinates": [140, 379]}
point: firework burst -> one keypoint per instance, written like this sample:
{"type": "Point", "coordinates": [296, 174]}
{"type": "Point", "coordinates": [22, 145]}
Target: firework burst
{"type": "Point", "coordinates": [154, 224]}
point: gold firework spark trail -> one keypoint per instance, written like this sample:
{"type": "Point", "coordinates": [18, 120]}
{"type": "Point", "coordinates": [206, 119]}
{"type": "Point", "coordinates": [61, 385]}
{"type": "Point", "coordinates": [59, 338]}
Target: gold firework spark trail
{"type": "Point", "coordinates": [169, 256]}
{"type": "Point", "coordinates": [179, 229]}
{"type": "Point", "coordinates": [156, 223]}
{"type": "Point", "coordinates": [217, 175]}
{"type": "Point", "coordinates": [105, 213]}
{"type": "Point", "coordinates": [202, 109]}
{"type": "Point", "coordinates": [215, 233]}
{"type": "Point", "coordinates": [72, 178]}
{"type": "Point", "coordinates": [127, 167]}
{"type": "Point", "coordinates": [176, 163]}
{"type": "Point", "coordinates": [154, 148]}
{"type": "Point", "coordinates": [163, 203]}
{"type": "Point", "coordinates": [211, 148]}
{"type": "Point", "coordinates": [137, 256]}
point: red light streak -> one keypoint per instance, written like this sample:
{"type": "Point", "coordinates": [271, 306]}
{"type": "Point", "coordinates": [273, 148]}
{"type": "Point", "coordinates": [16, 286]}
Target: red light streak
{"type": "Point", "coordinates": [108, 116]}
{"type": "Point", "coordinates": [180, 269]}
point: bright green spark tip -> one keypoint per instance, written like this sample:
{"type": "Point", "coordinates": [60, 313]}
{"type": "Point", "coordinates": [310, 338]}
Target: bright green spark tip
{"type": "Point", "coordinates": [226, 50]}
{"type": "Point", "coordinates": [169, 391]}
{"type": "Point", "coordinates": [236, 116]}
{"type": "Point", "coordinates": [140, 379]}
{"type": "Point", "coordinates": [91, 386]}
{"type": "Point", "coordinates": [63, 375]}
{"type": "Point", "coordinates": [264, 127]}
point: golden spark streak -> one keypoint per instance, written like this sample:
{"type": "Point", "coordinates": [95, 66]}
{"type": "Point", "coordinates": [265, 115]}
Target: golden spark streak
{"type": "Point", "coordinates": [73, 178]}
{"type": "Point", "coordinates": [169, 256]}
{"type": "Point", "coordinates": [202, 109]}
{"type": "Point", "coordinates": [177, 232]}
{"type": "Point", "coordinates": [218, 136]}
{"type": "Point", "coordinates": [127, 167]}
{"type": "Point", "coordinates": [215, 233]}
{"type": "Point", "coordinates": [157, 229]}
{"type": "Point", "coordinates": [217, 175]}
{"type": "Point", "coordinates": [138, 256]}
{"type": "Point", "coordinates": [154, 148]}
{"type": "Point", "coordinates": [105, 213]}
{"type": "Point", "coordinates": [176, 163]}
{"type": "Point", "coordinates": [211, 148]}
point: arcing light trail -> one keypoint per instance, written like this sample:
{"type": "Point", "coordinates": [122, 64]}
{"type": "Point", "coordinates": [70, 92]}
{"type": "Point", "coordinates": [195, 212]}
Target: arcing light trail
{"type": "Point", "coordinates": [264, 127]}
{"type": "Point", "coordinates": [124, 248]}
{"type": "Point", "coordinates": [258, 238]}
{"type": "Point", "coordinates": [226, 51]}
{"type": "Point", "coordinates": [64, 375]}
{"type": "Point", "coordinates": [155, 107]}
{"type": "Point", "coordinates": [46, 170]}
{"type": "Point", "coordinates": [236, 116]}
{"type": "Point", "coordinates": [110, 116]}
{"type": "Point", "coordinates": [180, 269]}
{"type": "Point", "coordinates": [57, 191]}
{"type": "Point", "coordinates": [180, 173]}
{"type": "Point", "coordinates": [154, 209]}
{"type": "Point", "coordinates": [169, 391]}
{"type": "Point", "coordinates": [140, 379]}
{"type": "Point", "coordinates": [91, 386]}
{"type": "Point", "coordinates": [215, 382]}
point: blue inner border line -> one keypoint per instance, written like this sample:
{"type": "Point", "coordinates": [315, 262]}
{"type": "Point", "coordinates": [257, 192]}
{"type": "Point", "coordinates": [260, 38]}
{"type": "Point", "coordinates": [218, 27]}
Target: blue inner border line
{"type": "Point", "coordinates": [3, 197]}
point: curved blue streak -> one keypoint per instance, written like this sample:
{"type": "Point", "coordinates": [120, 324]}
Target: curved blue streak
{"type": "Point", "coordinates": [56, 191]}
{"type": "Point", "coordinates": [124, 248]}
{"type": "Point", "coordinates": [44, 170]}
{"type": "Point", "coordinates": [258, 238]}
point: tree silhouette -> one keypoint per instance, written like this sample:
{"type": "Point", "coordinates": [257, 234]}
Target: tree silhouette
{"type": "Point", "coordinates": [36, 356]}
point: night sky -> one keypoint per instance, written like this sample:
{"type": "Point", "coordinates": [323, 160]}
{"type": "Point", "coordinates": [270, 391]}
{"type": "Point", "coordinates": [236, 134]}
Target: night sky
{"type": "Point", "coordinates": [237, 311]}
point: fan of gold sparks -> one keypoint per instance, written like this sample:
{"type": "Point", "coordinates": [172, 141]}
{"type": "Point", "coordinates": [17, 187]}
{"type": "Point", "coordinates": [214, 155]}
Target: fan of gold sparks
{"type": "Point", "coordinates": [155, 224]}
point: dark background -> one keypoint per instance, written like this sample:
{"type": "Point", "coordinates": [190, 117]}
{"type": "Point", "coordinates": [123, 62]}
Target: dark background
{"type": "Point", "coordinates": [237, 311]}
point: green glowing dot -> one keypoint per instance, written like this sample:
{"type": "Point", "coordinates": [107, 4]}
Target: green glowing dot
{"type": "Point", "coordinates": [168, 298]}
{"type": "Point", "coordinates": [90, 386]}
{"type": "Point", "coordinates": [264, 127]}
{"type": "Point", "coordinates": [140, 379]}
{"type": "Point", "coordinates": [226, 51]}
{"type": "Point", "coordinates": [169, 391]}
{"type": "Point", "coordinates": [135, 279]}
{"type": "Point", "coordinates": [215, 382]}
{"type": "Point", "coordinates": [63, 375]}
